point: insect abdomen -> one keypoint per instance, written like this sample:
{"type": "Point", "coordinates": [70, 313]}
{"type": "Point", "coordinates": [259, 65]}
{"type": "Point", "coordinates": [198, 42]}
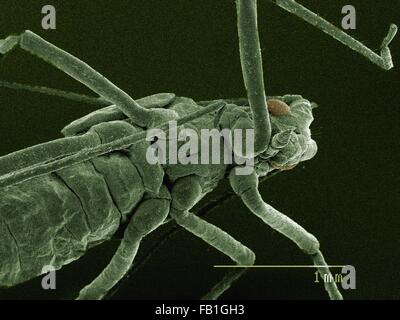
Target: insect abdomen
{"type": "Point", "coordinates": [53, 219]}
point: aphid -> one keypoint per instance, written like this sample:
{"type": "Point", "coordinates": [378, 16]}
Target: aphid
{"type": "Point", "coordinates": [84, 185]}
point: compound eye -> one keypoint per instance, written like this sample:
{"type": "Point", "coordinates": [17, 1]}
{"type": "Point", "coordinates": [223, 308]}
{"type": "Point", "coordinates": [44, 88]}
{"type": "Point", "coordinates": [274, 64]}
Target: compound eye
{"type": "Point", "coordinates": [277, 108]}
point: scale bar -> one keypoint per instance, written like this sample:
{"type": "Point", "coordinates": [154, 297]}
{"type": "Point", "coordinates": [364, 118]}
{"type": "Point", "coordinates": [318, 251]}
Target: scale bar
{"type": "Point", "coordinates": [277, 266]}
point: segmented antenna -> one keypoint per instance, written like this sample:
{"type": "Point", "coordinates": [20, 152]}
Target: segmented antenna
{"type": "Point", "coordinates": [61, 161]}
{"type": "Point", "coordinates": [56, 92]}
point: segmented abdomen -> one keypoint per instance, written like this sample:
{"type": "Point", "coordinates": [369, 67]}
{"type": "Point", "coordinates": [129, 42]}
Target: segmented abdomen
{"type": "Point", "coordinates": [53, 219]}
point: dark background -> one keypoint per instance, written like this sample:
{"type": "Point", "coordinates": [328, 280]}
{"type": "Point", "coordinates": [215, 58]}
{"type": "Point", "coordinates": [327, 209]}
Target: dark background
{"type": "Point", "coordinates": [348, 195]}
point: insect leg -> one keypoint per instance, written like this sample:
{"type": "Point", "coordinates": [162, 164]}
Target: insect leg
{"type": "Point", "coordinates": [246, 188]}
{"type": "Point", "coordinates": [111, 113]}
{"type": "Point", "coordinates": [223, 285]}
{"type": "Point", "coordinates": [46, 152]}
{"type": "Point", "coordinates": [384, 60]}
{"type": "Point", "coordinates": [85, 74]}
{"type": "Point", "coordinates": [149, 215]}
{"type": "Point", "coordinates": [52, 163]}
{"type": "Point", "coordinates": [201, 212]}
{"type": "Point", "coordinates": [185, 193]}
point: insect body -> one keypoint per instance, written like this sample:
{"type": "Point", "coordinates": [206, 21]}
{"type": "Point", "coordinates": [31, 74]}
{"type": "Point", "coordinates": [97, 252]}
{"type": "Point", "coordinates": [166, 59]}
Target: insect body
{"type": "Point", "coordinates": [53, 219]}
{"type": "Point", "coordinates": [60, 198]}
{"type": "Point", "coordinates": [94, 196]}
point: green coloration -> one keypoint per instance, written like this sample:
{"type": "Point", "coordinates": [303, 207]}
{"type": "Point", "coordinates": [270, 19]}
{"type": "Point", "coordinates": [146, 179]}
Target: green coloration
{"type": "Point", "coordinates": [76, 69]}
{"type": "Point", "coordinates": [74, 221]}
{"type": "Point", "coordinates": [112, 112]}
{"type": "Point", "coordinates": [150, 214]}
{"type": "Point", "coordinates": [228, 279]}
{"type": "Point", "coordinates": [43, 153]}
{"type": "Point", "coordinates": [55, 92]}
{"type": "Point", "coordinates": [246, 188]}
{"type": "Point", "coordinates": [185, 194]}
{"type": "Point", "coordinates": [224, 284]}
{"type": "Point", "coordinates": [330, 287]}
{"type": "Point", "coordinates": [87, 76]}
{"type": "Point", "coordinates": [82, 187]}
{"type": "Point", "coordinates": [191, 183]}
{"type": "Point", "coordinates": [96, 194]}
{"type": "Point", "coordinates": [124, 182]}
{"type": "Point", "coordinates": [64, 159]}
{"type": "Point", "coordinates": [158, 100]}
{"type": "Point", "coordinates": [384, 60]}
{"type": "Point", "coordinates": [250, 56]}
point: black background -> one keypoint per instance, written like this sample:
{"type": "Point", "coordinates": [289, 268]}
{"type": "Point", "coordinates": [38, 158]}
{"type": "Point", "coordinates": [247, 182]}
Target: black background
{"type": "Point", "coordinates": [348, 195]}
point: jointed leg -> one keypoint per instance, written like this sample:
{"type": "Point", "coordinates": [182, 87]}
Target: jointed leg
{"type": "Point", "coordinates": [112, 113]}
{"type": "Point", "coordinates": [82, 72]}
{"type": "Point", "coordinates": [384, 60]}
{"type": "Point", "coordinates": [46, 152]}
{"type": "Point", "coordinates": [223, 285]}
{"type": "Point", "coordinates": [185, 194]}
{"type": "Point", "coordinates": [247, 188]}
{"type": "Point", "coordinates": [88, 153]}
{"type": "Point", "coordinates": [220, 240]}
{"type": "Point", "coordinates": [150, 214]}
